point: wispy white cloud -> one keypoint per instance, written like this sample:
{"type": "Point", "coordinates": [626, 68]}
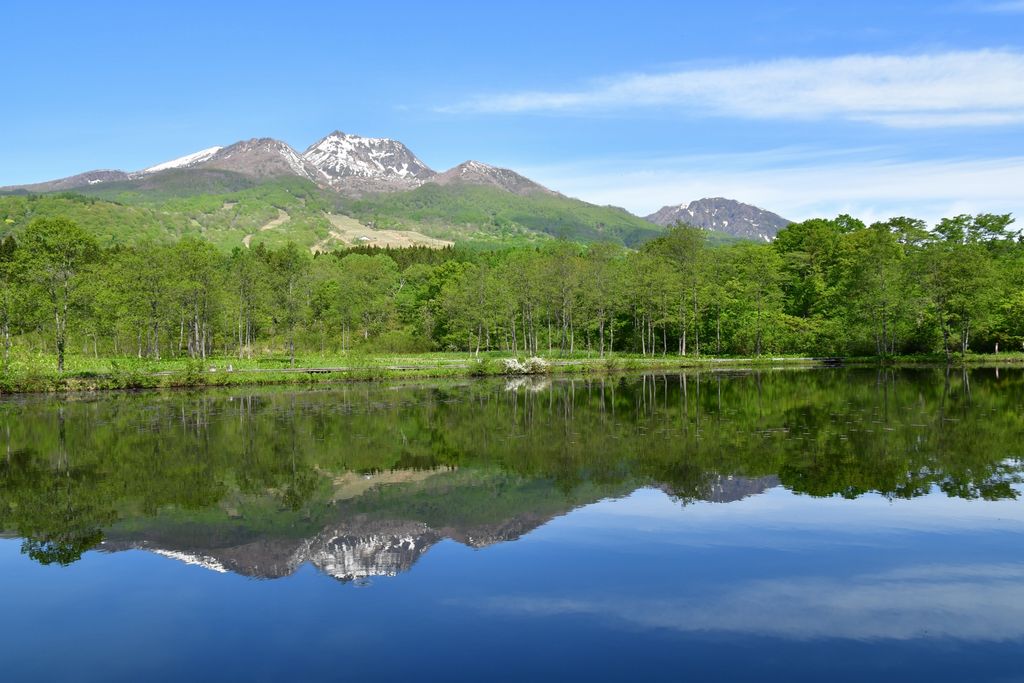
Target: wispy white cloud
{"type": "Point", "coordinates": [968, 88]}
{"type": "Point", "coordinates": [864, 183]}
{"type": "Point", "coordinates": [974, 603]}
{"type": "Point", "coordinates": [1005, 7]}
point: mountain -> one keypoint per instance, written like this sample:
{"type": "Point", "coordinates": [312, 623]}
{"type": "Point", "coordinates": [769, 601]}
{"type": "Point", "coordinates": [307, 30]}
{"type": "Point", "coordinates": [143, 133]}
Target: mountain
{"type": "Point", "coordinates": [87, 179]}
{"type": "Point", "coordinates": [477, 173]}
{"type": "Point", "coordinates": [723, 215]}
{"type": "Point", "coordinates": [355, 165]}
{"type": "Point", "coordinates": [259, 158]}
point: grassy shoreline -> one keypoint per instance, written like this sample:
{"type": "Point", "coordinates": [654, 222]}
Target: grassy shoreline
{"type": "Point", "coordinates": [108, 374]}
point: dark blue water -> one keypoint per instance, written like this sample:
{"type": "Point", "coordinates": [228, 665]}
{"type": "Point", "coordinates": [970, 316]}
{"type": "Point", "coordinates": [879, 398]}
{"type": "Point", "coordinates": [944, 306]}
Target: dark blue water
{"type": "Point", "coordinates": [484, 562]}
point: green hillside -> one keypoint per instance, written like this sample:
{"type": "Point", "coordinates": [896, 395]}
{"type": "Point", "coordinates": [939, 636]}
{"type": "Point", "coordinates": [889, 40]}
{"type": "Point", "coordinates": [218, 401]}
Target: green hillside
{"type": "Point", "coordinates": [230, 210]}
{"type": "Point", "coordinates": [127, 214]}
{"type": "Point", "coordinates": [495, 210]}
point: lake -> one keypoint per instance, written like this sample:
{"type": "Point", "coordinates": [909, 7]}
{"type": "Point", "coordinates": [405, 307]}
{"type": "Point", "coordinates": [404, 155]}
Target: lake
{"type": "Point", "coordinates": [841, 524]}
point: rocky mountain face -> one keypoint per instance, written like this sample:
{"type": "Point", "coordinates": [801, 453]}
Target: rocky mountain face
{"type": "Point", "coordinates": [260, 158]}
{"type": "Point", "coordinates": [356, 165]}
{"type": "Point", "coordinates": [724, 215]}
{"type": "Point", "coordinates": [480, 174]}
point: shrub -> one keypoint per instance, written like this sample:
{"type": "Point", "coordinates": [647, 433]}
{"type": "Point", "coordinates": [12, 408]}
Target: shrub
{"type": "Point", "coordinates": [537, 366]}
{"type": "Point", "coordinates": [127, 373]}
{"type": "Point", "coordinates": [194, 374]}
{"type": "Point", "coordinates": [480, 367]}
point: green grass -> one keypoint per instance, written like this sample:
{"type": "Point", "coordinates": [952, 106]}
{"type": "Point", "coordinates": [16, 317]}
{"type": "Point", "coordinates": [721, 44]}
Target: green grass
{"type": "Point", "coordinates": [37, 373]}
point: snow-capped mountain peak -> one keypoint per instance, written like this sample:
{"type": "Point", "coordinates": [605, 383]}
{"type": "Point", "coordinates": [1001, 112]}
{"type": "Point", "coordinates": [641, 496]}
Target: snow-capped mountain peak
{"type": "Point", "coordinates": [341, 158]}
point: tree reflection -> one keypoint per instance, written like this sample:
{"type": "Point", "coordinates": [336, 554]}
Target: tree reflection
{"type": "Point", "coordinates": [272, 460]}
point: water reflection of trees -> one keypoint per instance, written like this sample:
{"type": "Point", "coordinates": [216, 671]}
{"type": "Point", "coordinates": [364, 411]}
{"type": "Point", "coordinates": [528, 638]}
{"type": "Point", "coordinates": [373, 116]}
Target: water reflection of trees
{"type": "Point", "coordinates": [74, 467]}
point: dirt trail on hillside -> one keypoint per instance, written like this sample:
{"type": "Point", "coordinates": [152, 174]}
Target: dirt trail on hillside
{"type": "Point", "coordinates": [282, 217]}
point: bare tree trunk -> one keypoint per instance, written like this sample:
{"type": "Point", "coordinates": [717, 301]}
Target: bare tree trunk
{"type": "Point", "coordinates": [696, 325]}
{"type": "Point", "coordinates": [718, 332]}
{"type": "Point", "coordinates": [60, 321]}
{"type": "Point", "coordinates": [945, 342]}
{"type": "Point", "coordinates": [757, 343]}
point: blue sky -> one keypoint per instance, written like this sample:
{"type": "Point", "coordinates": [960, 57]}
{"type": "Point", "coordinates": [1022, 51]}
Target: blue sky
{"type": "Point", "coordinates": [805, 108]}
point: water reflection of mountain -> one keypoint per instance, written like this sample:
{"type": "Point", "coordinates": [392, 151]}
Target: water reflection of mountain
{"type": "Point", "coordinates": [359, 550]}
{"type": "Point", "coordinates": [363, 479]}
{"type": "Point", "coordinates": [363, 545]}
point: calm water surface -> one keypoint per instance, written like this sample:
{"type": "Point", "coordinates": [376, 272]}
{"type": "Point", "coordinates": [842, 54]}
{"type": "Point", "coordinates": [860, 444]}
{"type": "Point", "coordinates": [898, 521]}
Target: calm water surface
{"type": "Point", "coordinates": [797, 525]}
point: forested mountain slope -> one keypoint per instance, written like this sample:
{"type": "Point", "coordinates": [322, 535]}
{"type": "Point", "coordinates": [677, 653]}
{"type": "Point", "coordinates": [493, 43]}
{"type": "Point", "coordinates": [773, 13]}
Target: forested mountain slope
{"type": "Point", "coordinates": [138, 211]}
{"type": "Point", "coordinates": [125, 214]}
{"type": "Point", "coordinates": [456, 208]}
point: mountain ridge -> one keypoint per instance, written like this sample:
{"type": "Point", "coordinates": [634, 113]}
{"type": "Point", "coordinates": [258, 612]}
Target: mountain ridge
{"type": "Point", "coordinates": [723, 215]}
{"type": "Point", "coordinates": [478, 173]}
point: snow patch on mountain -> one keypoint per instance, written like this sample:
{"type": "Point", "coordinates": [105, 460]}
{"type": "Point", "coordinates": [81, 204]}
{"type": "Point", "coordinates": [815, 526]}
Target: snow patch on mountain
{"type": "Point", "coordinates": [185, 161]}
{"type": "Point", "coordinates": [203, 561]}
{"type": "Point", "coordinates": [341, 156]}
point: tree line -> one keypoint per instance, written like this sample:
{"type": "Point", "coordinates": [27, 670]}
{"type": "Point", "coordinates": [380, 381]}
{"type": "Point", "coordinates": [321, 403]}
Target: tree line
{"type": "Point", "coordinates": [822, 287]}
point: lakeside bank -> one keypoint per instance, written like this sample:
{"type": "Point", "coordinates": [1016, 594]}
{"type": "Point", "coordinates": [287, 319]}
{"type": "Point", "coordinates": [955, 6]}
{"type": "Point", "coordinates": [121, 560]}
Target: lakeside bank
{"type": "Point", "coordinates": [92, 374]}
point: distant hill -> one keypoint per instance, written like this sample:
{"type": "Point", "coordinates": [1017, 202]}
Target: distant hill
{"type": "Point", "coordinates": [723, 215]}
{"type": "Point", "coordinates": [75, 182]}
